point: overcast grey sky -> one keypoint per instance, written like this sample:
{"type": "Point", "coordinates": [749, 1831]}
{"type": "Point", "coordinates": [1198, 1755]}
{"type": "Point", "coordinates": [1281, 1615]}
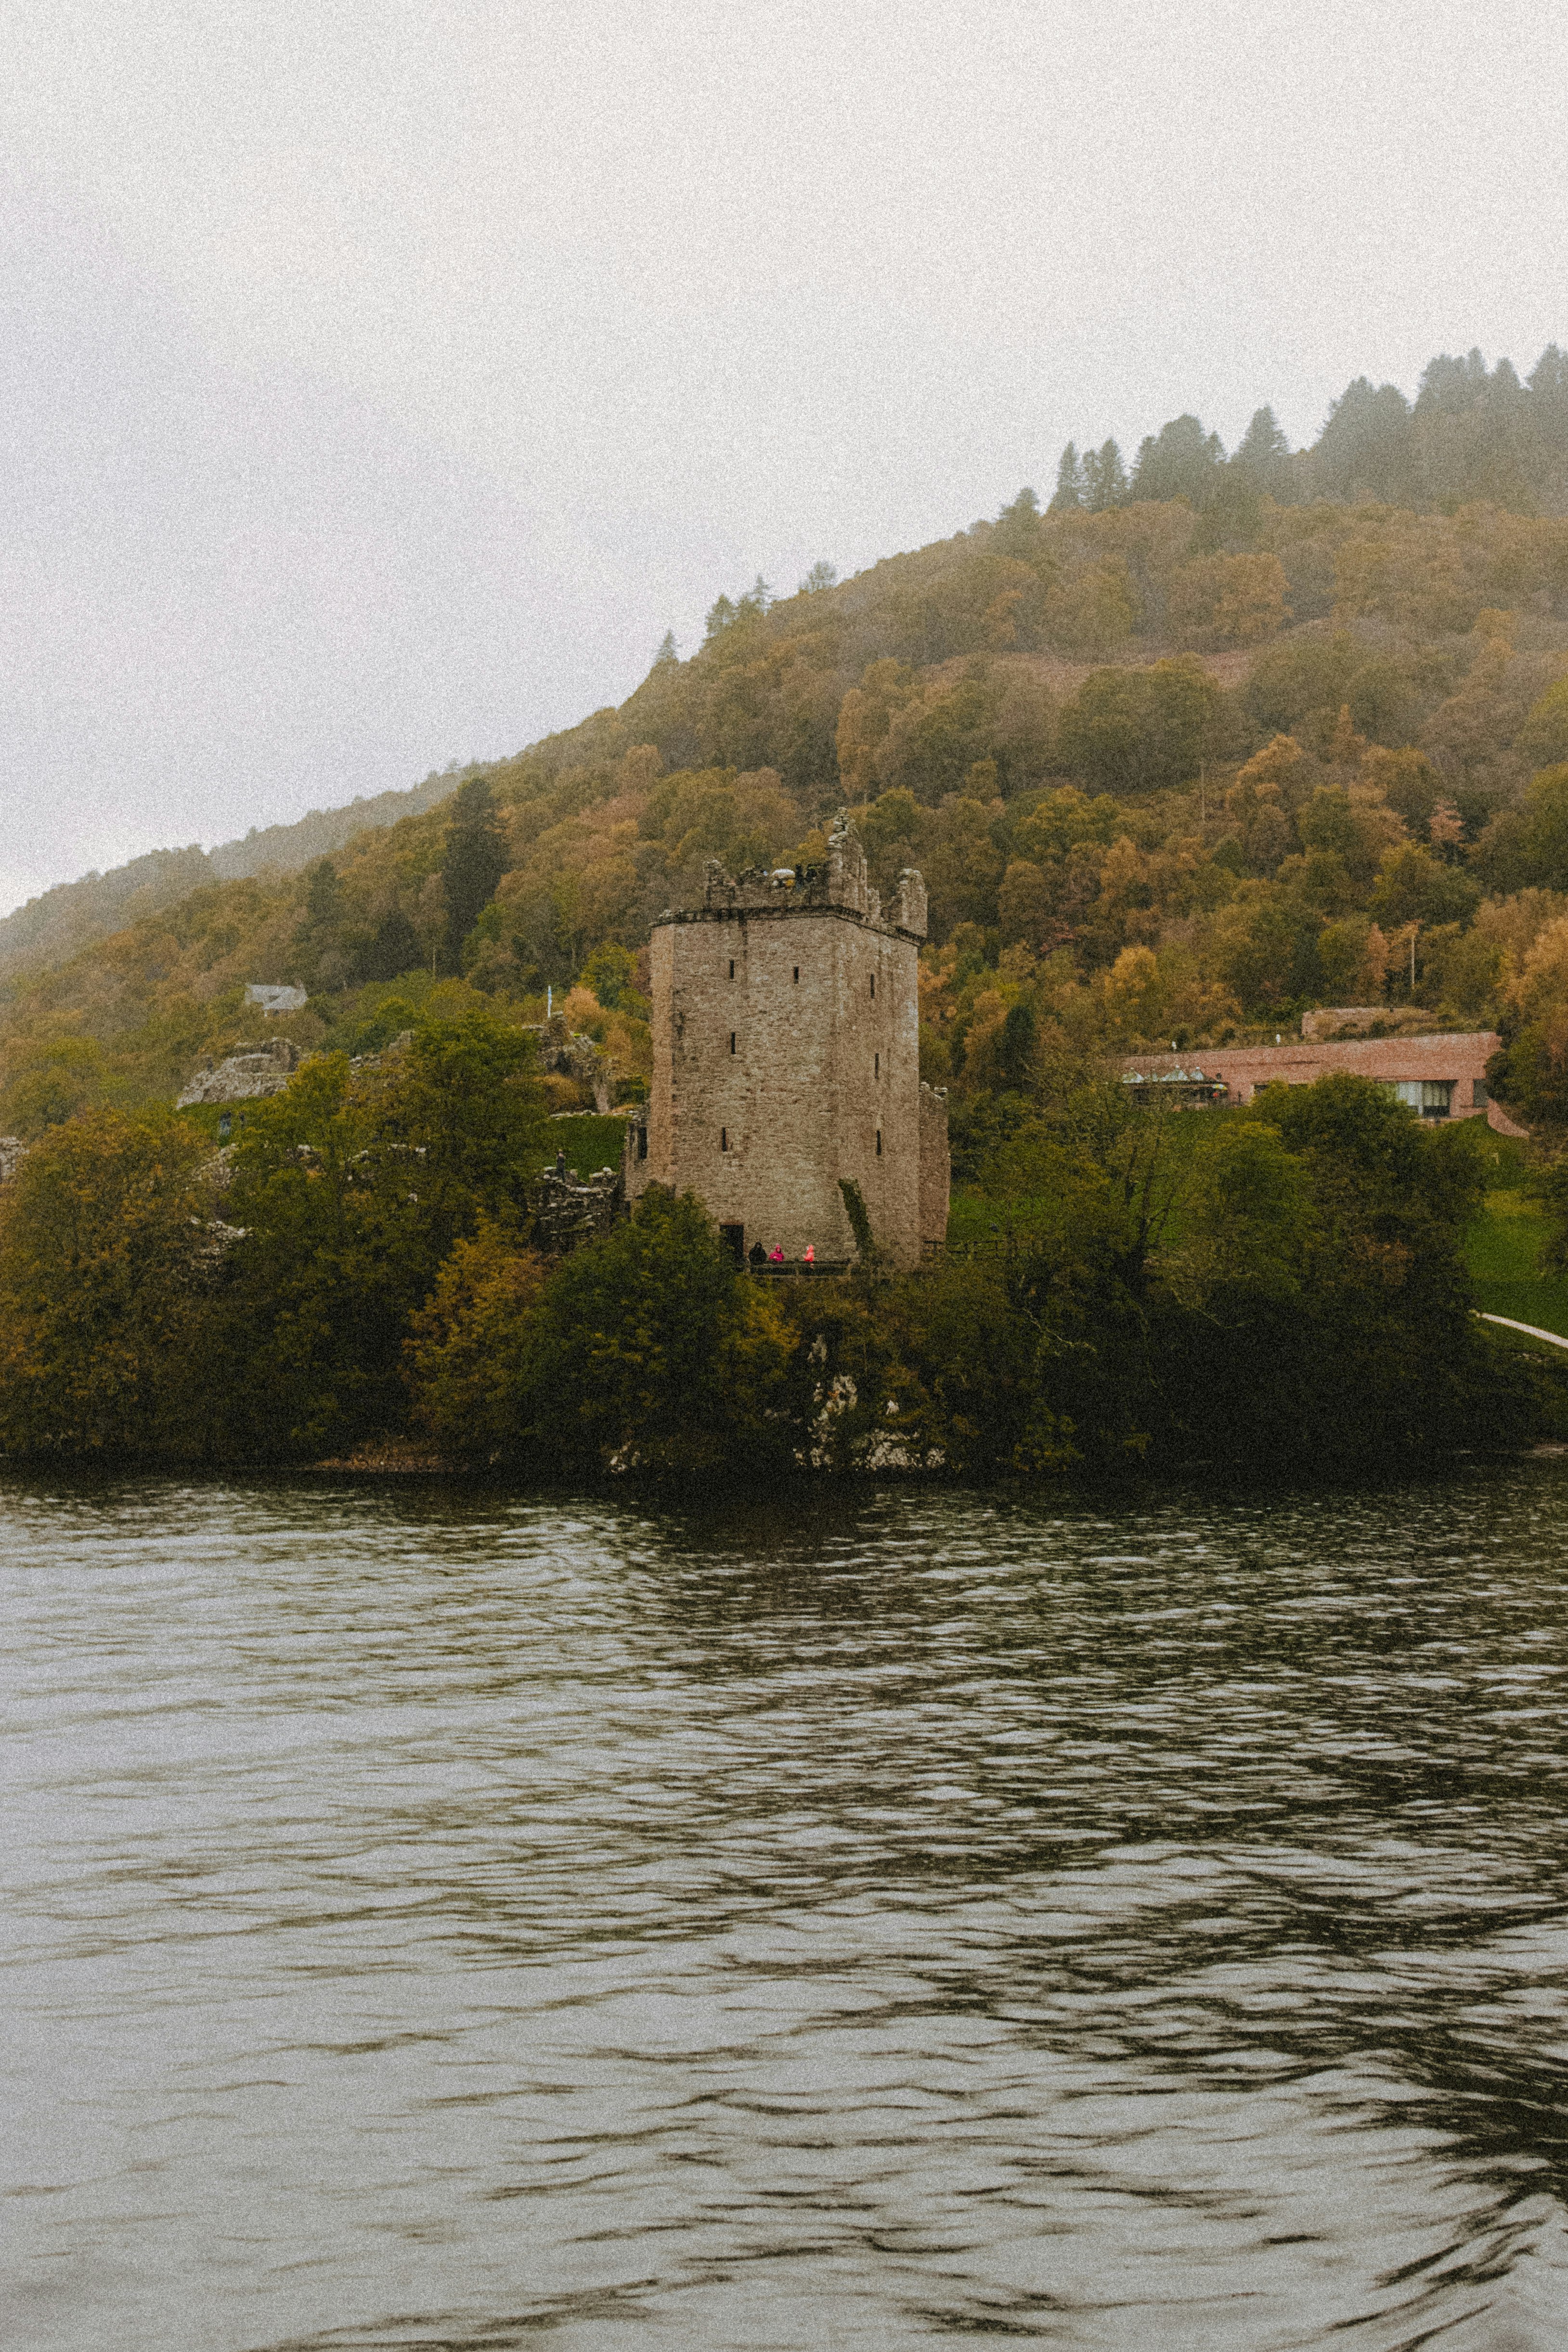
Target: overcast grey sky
{"type": "Point", "coordinates": [380, 381]}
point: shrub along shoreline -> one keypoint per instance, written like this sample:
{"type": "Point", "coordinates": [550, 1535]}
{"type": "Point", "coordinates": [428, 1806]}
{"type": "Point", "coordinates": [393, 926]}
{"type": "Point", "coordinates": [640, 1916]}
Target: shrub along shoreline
{"type": "Point", "coordinates": [1275, 1293]}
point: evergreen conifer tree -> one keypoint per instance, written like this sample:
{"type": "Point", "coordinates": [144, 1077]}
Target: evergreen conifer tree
{"type": "Point", "coordinates": [1105, 478]}
{"type": "Point", "coordinates": [318, 940]}
{"type": "Point", "coordinates": [1070, 482]}
{"type": "Point", "coordinates": [472, 864]}
{"type": "Point", "coordinates": [1264, 453]}
{"type": "Point", "coordinates": [1181, 461]}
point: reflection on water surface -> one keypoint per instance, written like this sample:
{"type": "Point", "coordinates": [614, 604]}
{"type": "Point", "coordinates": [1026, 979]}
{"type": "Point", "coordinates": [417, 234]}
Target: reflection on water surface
{"type": "Point", "coordinates": [448, 1920]}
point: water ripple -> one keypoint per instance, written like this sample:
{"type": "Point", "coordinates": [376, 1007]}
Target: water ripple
{"type": "Point", "coordinates": [441, 1920]}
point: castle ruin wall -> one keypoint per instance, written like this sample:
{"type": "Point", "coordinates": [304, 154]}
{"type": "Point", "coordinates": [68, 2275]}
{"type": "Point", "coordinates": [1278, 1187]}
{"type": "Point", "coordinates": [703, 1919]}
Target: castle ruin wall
{"type": "Point", "coordinates": [786, 1059]}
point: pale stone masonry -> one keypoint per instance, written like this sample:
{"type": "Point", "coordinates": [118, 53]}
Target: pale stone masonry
{"type": "Point", "coordinates": [785, 1057]}
{"type": "Point", "coordinates": [248, 1072]}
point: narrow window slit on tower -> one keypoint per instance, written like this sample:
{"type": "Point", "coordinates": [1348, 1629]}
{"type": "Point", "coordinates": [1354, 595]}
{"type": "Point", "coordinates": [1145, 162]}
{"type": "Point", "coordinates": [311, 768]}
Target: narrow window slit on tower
{"type": "Point", "coordinates": [877, 1071]}
{"type": "Point", "coordinates": [724, 1139]}
{"type": "Point", "coordinates": [797, 971]}
{"type": "Point", "coordinates": [874, 983]}
{"type": "Point", "coordinates": [732, 1041]}
{"type": "Point", "coordinates": [732, 967]}
{"type": "Point", "coordinates": [879, 1143]}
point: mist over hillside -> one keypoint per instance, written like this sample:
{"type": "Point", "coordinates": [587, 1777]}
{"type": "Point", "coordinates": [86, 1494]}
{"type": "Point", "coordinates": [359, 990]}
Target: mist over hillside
{"type": "Point", "coordinates": [1471, 435]}
{"type": "Point", "coordinates": [1175, 768]}
{"type": "Point", "coordinates": [57, 924]}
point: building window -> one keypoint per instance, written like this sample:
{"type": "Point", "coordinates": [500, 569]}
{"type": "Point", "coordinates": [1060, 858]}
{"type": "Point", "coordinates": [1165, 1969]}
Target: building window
{"type": "Point", "coordinates": [724, 1139]}
{"type": "Point", "coordinates": [732, 1041]}
{"type": "Point", "coordinates": [1478, 1094]}
{"type": "Point", "coordinates": [797, 973]}
{"type": "Point", "coordinates": [876, 1070]}
{"type": "Point", "coordinates": [643, 1142]}
{"type": "Point", "coordinates": [732, 967]}
{"type": "Point", "coordinates": [879, 1143]}
{"type": "Point", "coordinates": [1431, 1096]}
{"type": "Point", "coordinates": [874, 983]}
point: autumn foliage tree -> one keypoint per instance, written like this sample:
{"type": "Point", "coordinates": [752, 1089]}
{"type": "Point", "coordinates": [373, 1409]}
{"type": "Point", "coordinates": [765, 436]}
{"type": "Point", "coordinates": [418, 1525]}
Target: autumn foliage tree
{"type": "Point", "coordinates": [106, 1240]}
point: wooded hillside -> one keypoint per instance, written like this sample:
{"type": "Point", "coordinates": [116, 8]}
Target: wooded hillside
{"type": "Point", "coordinates": [1175, 768]}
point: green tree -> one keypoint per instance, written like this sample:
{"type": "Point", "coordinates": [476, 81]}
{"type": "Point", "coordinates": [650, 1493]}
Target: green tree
{"type": "Point", "coordinates": [392, 947]}
{"type": "Point", "coordinates": [1413, 887]}
{"type": "Point", "coordinates": [1264, 455]}
{"type": "Point", "coordinates": [353, 1189]}
{"type": "Point", "coordinates": [609, 972]}
{"type": "Point", "coordinates": [1384, 702]}
{"type": "Point", "coordinates": [1139, 731]}
{"type": "Point", "coordinates": [1366, 449]}
{"type": "Point", "coordinates": [319, 943]}
{"type": "Point", "coordinates": [50, 1080]}
{"type": "Point", "coordinates": [1181, 461]}
{"type": "Point", "coordinates": [1017, 525]}
{"type": "Point", "coordinates": [465, 1356]}
{"type": "Point", "coordinates": [1408, 781]}
{"type": "Point", "coordinates": [1543, 738]}
{"type": "Point", "coordinates": [1071, 483]}
{"type": "Point", "coordinates": [1335, 1330]}
{"type": "Point", "coordinates": [961, 1373]}
{"type": "Point", "coordinates": [472, 863]}
{"type": "Point", "coordinates": [1247, 1220]}
{"type": "Point", "coordinates": [1289, 682]}
{"type": "Point", "coordinates": [648, 1350]}
{"type": "Point", "coordinates": [1545, 829]}
{"type": "Point", "coordinates": [104, 1231]}
{"type": "Point", "coordinates": [1105, 483]}
{"type": "Point", "coordinates": [1016, 1048]}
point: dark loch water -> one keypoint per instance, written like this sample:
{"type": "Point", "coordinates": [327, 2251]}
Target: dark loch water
{"type": "Point", "coordinates": [438, 1920]}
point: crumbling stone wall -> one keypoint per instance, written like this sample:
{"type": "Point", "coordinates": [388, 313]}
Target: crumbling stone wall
{"type": "Point", "coordinates": [785, 1057]}
{"type": "Point", "coordinates": [248, 1072]}
{"type": "Point", "coordinates": [570, 1209]}
{"type": "Point", "coordinates": [574, 1055]}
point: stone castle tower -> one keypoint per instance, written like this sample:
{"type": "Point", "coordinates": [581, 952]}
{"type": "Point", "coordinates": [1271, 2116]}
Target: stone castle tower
{"type": "Point", "coordinates": [786, 1056]}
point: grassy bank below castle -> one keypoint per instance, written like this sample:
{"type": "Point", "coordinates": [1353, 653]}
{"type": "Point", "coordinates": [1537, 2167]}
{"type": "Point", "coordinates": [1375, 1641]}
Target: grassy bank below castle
{"type": "Point", "coordinates": [1502, 1251]}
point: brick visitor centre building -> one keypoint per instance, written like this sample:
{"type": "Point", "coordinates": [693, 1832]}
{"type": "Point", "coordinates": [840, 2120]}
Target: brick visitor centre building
{"type": "Point", "coordinates": [1442, 1076]}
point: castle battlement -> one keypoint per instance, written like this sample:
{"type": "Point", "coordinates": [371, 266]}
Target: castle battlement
{"type": "Point", "coordinates": [840, 886]}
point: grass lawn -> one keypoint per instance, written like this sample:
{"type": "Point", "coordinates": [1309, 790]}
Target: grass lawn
{"type": "Point", "coordinates": [1501, 1250]}
{"type": "Point", "coordinates": [590, 1142]}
